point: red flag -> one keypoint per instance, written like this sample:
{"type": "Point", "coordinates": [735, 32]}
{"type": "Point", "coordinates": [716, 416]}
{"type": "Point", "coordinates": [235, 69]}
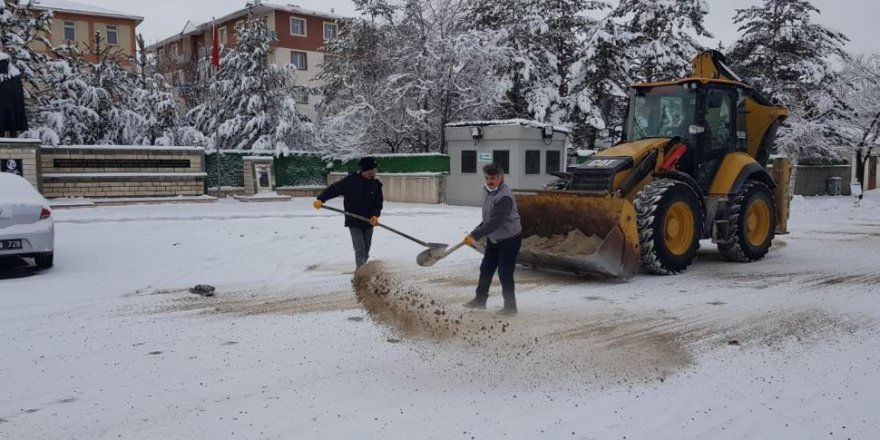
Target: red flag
{"type": "Point", "coordinates": [215, 50]}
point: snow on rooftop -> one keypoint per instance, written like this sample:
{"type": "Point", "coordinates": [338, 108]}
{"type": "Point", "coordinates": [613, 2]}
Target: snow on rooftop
{"type": "Point", "coordinates": [190, 26]}
{"type": "Point", "coordinates": [524, 122]}
{"type": "Point", "coordinates": [82, 8]}
{"type": "Point", "coordinates": [122, 147]}
{"type": "Point", "coordinates": [299, 10]}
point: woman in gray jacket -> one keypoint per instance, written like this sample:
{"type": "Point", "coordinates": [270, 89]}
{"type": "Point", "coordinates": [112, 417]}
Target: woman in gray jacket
{"type": "Point", "coordinates": [501, 226]}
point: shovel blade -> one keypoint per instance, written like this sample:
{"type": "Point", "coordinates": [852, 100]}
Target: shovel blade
{"type": "Point", "coordinates": [432, 255]}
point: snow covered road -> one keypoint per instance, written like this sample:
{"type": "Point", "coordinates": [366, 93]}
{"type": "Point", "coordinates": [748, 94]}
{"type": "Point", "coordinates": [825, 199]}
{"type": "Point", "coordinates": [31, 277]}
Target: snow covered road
{"type": "Point", "coordinates": [108, 344]}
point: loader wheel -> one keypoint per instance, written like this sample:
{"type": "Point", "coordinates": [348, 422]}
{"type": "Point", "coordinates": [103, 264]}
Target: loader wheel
{"type": "Point", "coordinates": [670, 224]}
{"type": "Point", "coordinates": [752, 223]}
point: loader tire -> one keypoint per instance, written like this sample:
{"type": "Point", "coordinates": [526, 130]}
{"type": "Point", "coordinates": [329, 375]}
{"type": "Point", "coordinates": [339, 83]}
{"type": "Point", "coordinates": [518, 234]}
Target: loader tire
{"type": "Point", "coordinates": [751, 223]}
{"type": "Point", "coordinates": [670, 223]}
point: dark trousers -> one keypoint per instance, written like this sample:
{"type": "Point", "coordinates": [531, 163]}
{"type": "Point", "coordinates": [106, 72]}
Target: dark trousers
{"type": "Point", "coordinates": [500, 256]}
{"type": "Point", "coordinates": [361, 239]}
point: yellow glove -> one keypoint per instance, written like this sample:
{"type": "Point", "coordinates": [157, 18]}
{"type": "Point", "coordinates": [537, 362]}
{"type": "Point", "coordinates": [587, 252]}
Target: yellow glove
{"type": "Point", "coordinates": [318, 204]}
{"type": "Point", "coordinates": [374, 220]}
{"type": "Point", "coordinates": [468, 240]}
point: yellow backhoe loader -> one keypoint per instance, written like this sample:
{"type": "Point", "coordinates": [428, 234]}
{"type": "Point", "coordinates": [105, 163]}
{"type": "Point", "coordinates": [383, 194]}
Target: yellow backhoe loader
{"type": "Point", "coordinates": [692, 166]}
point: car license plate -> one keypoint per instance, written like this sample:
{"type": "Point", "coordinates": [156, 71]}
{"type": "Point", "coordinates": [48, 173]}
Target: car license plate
{"type": "Point", "coordinates": [10, 244]}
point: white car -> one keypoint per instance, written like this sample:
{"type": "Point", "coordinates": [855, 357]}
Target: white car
{"type": "Point", "coordinates": [26, 226]}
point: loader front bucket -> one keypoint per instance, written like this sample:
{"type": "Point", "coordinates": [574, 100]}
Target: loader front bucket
{"type": "Point", "coordinates": [579, 233]}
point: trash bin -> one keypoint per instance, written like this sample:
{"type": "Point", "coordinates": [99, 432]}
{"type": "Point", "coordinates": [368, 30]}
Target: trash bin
{"type": "Point", "coordinates": [833, 185]}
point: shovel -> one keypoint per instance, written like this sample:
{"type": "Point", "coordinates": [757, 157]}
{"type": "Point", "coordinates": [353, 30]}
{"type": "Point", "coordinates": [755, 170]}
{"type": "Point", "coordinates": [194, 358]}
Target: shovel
{"type": "Point", "coordinates": [429, 257]}
{"type": "Point", "coordinates": [434, 249]}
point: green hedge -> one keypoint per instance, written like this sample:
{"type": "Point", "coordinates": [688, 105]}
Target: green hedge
{"type": "Point", "coordinates": [312, 169]}
{"type": "Point", "coordinates": [435, 163]}
{"type": "Point", "coordinates": [301, 170]}
{"type": "Point", "coordinates": [822, 161]}
{"type": "Point", "coordinates": [231, 170]}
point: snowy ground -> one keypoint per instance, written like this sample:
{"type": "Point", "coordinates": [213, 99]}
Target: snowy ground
{"type": "Point", "coordinates": [109, 345]}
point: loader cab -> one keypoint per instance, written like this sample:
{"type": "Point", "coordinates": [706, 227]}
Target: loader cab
{"type": "Point", "coordinates": [708, 117]}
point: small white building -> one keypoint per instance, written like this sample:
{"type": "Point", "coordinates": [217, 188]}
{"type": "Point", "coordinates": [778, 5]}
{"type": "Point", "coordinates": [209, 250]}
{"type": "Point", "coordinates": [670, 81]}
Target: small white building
{"type": "Point", "coordinates": [527, 150]}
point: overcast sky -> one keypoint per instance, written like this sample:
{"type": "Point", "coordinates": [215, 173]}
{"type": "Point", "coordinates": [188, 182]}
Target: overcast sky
{"type": "Point", "coordinates": [163, 18]}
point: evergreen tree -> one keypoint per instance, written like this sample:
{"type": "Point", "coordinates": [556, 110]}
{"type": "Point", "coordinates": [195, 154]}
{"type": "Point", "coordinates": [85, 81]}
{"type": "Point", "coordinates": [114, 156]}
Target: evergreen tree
{"type": "Point", "coordinates": [154, 101]}
{"type": "Point", "coordinates": [250, 102]}
{"type": "Point", "coordinates": [65, 114]}
{"type": "Point", "coordinates": [21, 27]}
{"type": "Point", "coordinates": [788, 56]}
{"type": "Point", "coordinates": [379, 10]}
{"type": "Point", "coordinates": [665, 34]}
{"type": "Point", "coordinates": [782, 50]}
{"type": "Point", "coordinates": [600, 78]}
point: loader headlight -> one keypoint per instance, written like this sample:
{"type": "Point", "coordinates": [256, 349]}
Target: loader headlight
{"type": "Point", "coordinates": [696, 129]}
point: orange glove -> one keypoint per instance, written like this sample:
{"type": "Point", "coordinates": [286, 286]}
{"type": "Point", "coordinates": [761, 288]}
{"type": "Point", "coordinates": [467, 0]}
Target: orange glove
{"type": "Point", "coordinates": [318, 204]}
{"type": "Point", "coordinates": [374, 220]}
{"type": "Point", "coordinates": [468, 240]}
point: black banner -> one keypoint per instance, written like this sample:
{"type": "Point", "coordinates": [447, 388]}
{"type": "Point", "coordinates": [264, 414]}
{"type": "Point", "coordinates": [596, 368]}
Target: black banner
{"type": "Point", "coordinates": [121, 163]}
{"type": "Point", "coordinates": [13, 166]}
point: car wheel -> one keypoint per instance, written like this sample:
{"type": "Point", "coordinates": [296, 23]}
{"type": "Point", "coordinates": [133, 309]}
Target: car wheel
{"type": "Point", "coordinates": [45, 260]}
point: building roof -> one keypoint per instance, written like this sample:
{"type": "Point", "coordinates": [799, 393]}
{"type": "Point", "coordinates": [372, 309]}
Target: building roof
{"type": "Point", "coordinates": [189, 27]}
{"type": "Point", "coordinates": [523, 122]}
{"type": "Point", "coordinates": [192, 29]}
{"type": "Point", "coordinates": [82, 8]}
{"type": "Point", "coordinates": [296, 9]}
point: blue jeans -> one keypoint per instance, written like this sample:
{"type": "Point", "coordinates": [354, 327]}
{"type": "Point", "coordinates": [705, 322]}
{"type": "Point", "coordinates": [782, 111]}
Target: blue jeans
{"type": "Point", "coordinates": [499, 256]}
{"type": "Point", "coordinates": [361, 239]}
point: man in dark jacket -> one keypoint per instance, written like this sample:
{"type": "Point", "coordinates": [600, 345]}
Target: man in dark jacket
{"type": "Point", "coordinates": [362, 194]}
{"type": "Point", "coordinates": [503, 230]}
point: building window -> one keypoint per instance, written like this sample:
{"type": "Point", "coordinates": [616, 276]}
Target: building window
{"type": "Point", "coordinates": [468, 161]}
{"type": "Point", "coordinates": [69, 31]}
{"type": "Point", "coordinates": [298, 26]}
{"type": "Point", "coordinates": [553, 157]}
{"type": "Point", "coordinates": [221, 35]}
{"type": "Point", "coordinates": [299, 60]}
{"type": "Point", "coordinates": [533, 161]}
{"type": "Point", "coordinates": [174, 49]}
{"type": "Point", "coordinates": [112, 35]}
{"type": "Point", "coordinates": [502, 157]}
{"type": "Point", "coordinates": [301, 95]}
{"type": "Point", "coordinates": [329, 31]}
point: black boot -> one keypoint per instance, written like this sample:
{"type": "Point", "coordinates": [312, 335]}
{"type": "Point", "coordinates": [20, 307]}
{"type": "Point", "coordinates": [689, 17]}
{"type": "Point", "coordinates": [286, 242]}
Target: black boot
{"type": "Point", "coordinates": [478, 303]}
{"type": "Point", "coordinates": [508, 309]}
{"type": "Point", "coordinates": [509, 304]}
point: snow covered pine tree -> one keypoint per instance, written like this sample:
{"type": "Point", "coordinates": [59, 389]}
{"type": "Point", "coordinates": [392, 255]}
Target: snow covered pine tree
{"type": "Point", "coordinates": [783, 52]}
{"type": "Point", "coordinates": [250, 102]}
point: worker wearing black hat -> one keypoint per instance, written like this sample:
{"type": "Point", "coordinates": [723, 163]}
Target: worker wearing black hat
{"type": "Point", "coordinates": [362, 194]}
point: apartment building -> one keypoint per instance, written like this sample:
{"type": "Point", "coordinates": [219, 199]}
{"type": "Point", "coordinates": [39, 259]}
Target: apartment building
{"type": "Point", "coordinates": [300, 34]}
{"type": "Point", "coordinates": [77, 23]}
